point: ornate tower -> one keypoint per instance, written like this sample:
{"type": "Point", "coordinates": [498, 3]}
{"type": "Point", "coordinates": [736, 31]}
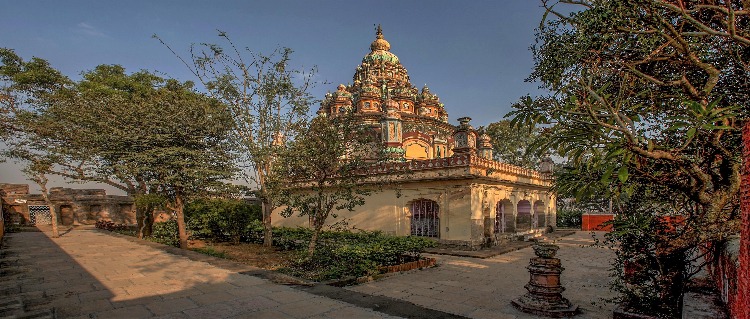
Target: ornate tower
{"type": "Point", "coordinates": [484, 149]}
{"type": "Point", "coordinates": [465, 137]}
{"type": "Point", "coordinates": [391, 130]}
{"type": "Point", "coordinates": [383, 97]}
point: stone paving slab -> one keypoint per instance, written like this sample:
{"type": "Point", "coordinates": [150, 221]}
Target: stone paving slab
{"type": "Point", "coordinates": [90, 274]}
{"type": "Point", "coordinates": [500, 249]}
{"type": "Point", "coordinates": [483, 288]}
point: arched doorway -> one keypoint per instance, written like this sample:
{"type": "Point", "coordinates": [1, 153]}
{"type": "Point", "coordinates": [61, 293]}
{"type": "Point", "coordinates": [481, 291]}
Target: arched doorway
{"type": "Point", "coordinates": [504, 222]}
{"type": "Point", "coordinates": [425, 219]}
{"type": "Point", "coordinates": [524, 220]}
{"type": "Point", "coordinates": [541, 218]}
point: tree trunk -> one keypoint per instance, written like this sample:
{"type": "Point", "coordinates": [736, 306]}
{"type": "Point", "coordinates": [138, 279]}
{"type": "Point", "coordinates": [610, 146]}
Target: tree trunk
{"type": "Point", "coordinates": [181, 229]}
{"type": "Point", "coordinates": [42, 182]}
{"type": "Point", "coordinates": [314, 240]}
{"type": "Point", "coordinates": [145, 219]}
{"type": "Point", "coordinates": [267, 230]}
{"type": "Point", "coordinates": [671, 283]}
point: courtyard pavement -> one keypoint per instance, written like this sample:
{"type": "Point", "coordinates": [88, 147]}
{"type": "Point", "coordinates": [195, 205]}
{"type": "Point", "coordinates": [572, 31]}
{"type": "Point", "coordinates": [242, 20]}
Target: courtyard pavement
{"type": "Point", "coordinates": [88, 273]}
{"type": "Point", "coordinates": [484, 288]}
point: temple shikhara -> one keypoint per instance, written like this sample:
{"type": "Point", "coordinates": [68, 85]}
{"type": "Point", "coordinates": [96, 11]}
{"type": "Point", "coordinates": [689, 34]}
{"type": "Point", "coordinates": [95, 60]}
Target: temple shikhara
{"type": "Point", "coordinates": [455, 192]}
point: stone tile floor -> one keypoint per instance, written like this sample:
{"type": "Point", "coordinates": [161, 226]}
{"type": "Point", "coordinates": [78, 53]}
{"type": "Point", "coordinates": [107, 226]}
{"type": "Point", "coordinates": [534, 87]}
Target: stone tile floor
{"type": "Point", "coordinates": [483, 288]}
{"type": "Point", "coordinates": [89, 273]}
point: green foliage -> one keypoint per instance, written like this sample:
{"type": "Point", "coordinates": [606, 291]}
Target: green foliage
{"type": "Point", "coordinates": [514, 145]}
{"type": "Point", "coordinates": [165, 233]}
{"type": "Point", "coordinates": [267, 99]}
{"type": "Point", "coordinates": [647, 97]}
{"type": "Point", "coordinates": [569, 218]}
{"type": "Point", "coordinates": [221, 219]}
{"type": "Point", "coordinates": [649, 273]}
{"type": "Point", "coordinates": [342, 254]}
{"type": "Point", "coordinates": [324, 166]}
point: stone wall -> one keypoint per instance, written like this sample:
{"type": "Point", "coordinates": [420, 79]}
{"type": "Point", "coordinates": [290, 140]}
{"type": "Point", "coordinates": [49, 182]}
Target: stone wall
{"type": "Point", "coordinates": [73, 206]}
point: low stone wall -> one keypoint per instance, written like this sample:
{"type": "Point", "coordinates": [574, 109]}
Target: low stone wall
{"type": "Point", "coordinates": [422, 263]}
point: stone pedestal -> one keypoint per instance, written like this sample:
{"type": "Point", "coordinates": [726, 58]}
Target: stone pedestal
{"type": "Point", "coordinates": [545, 292]}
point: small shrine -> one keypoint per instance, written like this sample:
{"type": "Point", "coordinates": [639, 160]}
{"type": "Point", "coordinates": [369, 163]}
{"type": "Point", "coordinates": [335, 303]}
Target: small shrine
{"type": "Point", "coordinates": [544, 296]}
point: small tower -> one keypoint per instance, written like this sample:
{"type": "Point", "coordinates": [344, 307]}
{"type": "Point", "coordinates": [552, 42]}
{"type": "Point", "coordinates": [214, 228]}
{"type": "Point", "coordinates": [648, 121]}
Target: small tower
{"type": "Point", "coordinates": [485, 147]}
{"type": "Point", "coordinates": [546, 166]}
{"type": "Point", "coordinates": [465, 137]}
{"type": "Point", "coordinates": [390, 128]}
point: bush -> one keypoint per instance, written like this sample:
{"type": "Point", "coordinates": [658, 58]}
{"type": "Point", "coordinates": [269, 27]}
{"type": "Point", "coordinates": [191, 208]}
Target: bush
{"type": "Point", "coordinates": [165, 233]}
{"type": "Point", "coordinates": [569, 218]}
{"type": "Point", "coordinates": [111, 226]}
{"type": "Point", "coordinates": [341, 254]}
{"type": "Point", "coordinates": [221, 219]}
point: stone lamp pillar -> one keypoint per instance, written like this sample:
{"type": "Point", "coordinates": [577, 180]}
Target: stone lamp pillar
{"type": "Point", "coordinates": [390, 128]}
{"type": "Point", "coordinates": [545, 292]}
{"type": "Point", "coordinates": [465, 137]}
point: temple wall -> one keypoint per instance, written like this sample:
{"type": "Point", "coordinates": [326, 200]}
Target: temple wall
{"type": "Point", "coordinates": [467, 209]}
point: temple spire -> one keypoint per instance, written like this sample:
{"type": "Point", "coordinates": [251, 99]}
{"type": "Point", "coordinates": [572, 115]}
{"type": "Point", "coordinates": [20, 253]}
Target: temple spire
{"type": "Point", "coordinates": [380, 43]}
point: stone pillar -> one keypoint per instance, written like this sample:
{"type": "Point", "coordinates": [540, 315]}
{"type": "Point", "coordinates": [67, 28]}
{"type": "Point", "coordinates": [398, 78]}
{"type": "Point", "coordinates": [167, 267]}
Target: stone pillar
{"type": "Point", "coordinates": [544, 296]}
{"type": "Point", "coordinates": [744, 270]}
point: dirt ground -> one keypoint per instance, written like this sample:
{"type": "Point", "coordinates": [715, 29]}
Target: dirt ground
{"type": "Point", "coordinates": [251, 254]}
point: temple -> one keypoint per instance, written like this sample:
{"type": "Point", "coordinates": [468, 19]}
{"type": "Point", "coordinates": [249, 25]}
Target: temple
{"type": "Point", "coordinates": [455, 191]}
{"type": "Point", "coordinates": [383, 96]}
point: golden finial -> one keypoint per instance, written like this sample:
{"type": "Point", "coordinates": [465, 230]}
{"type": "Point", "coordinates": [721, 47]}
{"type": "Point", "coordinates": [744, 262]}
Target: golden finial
{"type": "Point", "coordinates": [380, 43]}
{"type": "Point", "coordinates": [379, 32]}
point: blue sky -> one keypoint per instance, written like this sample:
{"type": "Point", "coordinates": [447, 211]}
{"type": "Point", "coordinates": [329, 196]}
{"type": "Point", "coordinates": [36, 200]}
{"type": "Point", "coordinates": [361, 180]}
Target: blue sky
{"type": "Point", "coordinates": [473, 54]}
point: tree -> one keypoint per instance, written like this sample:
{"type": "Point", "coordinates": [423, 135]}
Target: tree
{"type": "Point", "coordinates": [146, 135]}
{"type": "Point", "coordinates": [268, 102]}
{"type": "Point", "coordinates": [647, 98]}
{"type": "Point", "coordinates": [325, 170]}
{"type": "Point", "coordinates": [140, 133]}
{"type": "Point", "coordinates": [27, 89]}
{"type": "Point", "coordinates": [513, 145]}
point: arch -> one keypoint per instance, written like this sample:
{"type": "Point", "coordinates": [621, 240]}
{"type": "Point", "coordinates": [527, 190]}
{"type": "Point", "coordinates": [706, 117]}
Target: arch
{"type": "Point", "coordinates": [524, 218]}
{"type": "Point", "coordinates": [504, 221]}
{"type": "Point", "coordinates": [540, 218]}
{"type": "Point", "coordinates": [425, 218]}
{"type": "Point", "coordinates": [416, 149]}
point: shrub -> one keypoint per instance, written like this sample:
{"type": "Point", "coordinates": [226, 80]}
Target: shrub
{"type": "Point", "coordinates": [111, 226]}
{"type": "Point", "coordinates": [569, 218]}
{"type": "Point", "coordinates": [165, 233]}
{"type": "Point", "coordinates": [221, 219]}
{"type": "Point", "coordinates": [341, 254]}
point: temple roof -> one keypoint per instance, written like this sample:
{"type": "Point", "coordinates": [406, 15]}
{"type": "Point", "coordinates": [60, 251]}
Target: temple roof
{"type": "Point", "coordinates": [381, 77]}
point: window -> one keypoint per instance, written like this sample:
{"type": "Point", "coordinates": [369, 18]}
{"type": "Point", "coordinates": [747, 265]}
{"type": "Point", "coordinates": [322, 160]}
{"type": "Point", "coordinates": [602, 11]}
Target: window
{"type": "Point", "coordinates": [425, 220]}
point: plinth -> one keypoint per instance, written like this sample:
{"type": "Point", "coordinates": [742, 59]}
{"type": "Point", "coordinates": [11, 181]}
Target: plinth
{"type": "Point", "coordinates": [544, 296]}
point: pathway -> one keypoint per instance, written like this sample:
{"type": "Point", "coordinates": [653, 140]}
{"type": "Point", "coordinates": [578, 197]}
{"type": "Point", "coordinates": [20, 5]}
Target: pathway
{"type": "Point", "coordinates": [90, 274]}
{"type": "Point", "coordinates": [483, 288]}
